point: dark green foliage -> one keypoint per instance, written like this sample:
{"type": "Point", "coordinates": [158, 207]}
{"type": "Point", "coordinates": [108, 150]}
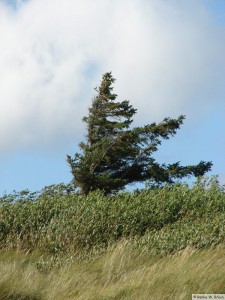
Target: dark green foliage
{"type": "Point", "coordinates": [165, 219]}
{"type": "Point", "coordinates": [114, 155]}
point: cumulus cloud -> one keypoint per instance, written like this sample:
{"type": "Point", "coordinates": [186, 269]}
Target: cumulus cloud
{"type": "Point", "coordinates": [167, 57]}
{"type": "Point", "coordinates": [174, 61]}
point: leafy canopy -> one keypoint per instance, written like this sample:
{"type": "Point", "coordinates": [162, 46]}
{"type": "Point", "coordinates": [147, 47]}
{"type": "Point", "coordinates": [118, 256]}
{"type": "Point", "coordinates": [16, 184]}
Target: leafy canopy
{"type": "Point", "coordinates": [113, 155]}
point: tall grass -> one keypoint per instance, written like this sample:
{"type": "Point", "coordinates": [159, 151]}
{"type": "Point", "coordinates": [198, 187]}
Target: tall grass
{"type": "Point", "coordinates": [159, 243]}
{"type": "Point", "coordinates": [123, 272]}
{"type": "Point", "coordinates": [165, 220]}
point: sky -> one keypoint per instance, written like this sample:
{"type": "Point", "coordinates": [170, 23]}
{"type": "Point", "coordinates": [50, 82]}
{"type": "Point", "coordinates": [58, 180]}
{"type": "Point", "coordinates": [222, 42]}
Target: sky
{"type": "Point", "coordinates": [167, 57]}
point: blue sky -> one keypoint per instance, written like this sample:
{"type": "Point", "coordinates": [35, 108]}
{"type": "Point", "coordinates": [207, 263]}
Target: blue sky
{"type": "Point", "coordinates": [167, 57]}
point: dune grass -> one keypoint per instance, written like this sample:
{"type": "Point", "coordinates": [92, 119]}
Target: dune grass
{"type": "Point", "coordinates": [122, 272]}
{"type": "Point", "coordinates": [160, 243]}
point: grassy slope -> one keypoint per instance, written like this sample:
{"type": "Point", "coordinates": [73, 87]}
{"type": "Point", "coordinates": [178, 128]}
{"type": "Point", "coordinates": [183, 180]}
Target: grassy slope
{"type": "Point", "coordinates": [121, 273]}
{"type": "Point", "coordinates": [157, 244]}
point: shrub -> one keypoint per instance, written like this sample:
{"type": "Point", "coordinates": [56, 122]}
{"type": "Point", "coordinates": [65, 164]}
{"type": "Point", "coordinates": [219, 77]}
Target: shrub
{"type": "Point", "coordinates": [165, 219]}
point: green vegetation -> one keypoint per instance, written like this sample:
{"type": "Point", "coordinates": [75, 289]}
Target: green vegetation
{"type": "Point", "coordinates": [114, 155]}
{"type": "Point", "coordinates": [159, 243]}
{"type": "Point", "coordinates": [165, 219]}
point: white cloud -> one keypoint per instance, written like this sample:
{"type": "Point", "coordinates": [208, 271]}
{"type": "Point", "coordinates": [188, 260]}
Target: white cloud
{"type": "Point", "coordinates": [167, 57]}
{"type": "Point", "coordinates": [174, 61]}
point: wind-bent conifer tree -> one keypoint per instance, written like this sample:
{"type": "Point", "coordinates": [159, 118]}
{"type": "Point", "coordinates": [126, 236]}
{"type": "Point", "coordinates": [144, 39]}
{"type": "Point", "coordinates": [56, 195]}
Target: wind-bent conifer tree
{"type": "Point", "coordinates": [114, 155]}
